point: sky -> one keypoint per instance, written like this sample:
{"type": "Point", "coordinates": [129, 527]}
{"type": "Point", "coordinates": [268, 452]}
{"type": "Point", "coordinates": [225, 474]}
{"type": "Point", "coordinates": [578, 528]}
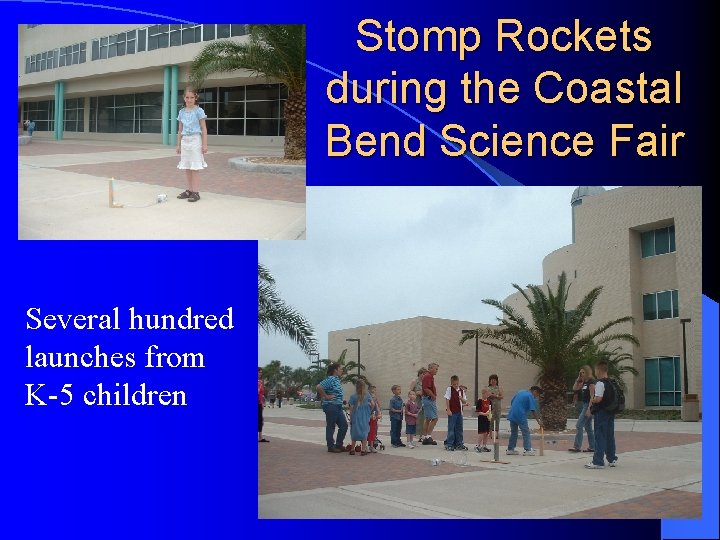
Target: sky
{"type": "Point", "coordinates": [380, 254]}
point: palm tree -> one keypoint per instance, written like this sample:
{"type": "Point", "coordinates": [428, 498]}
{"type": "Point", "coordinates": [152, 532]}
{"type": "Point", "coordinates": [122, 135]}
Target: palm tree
{"type": "Point", "coordinates": [350, 369]}
{"type": "Point", "coordinates": [286, 375]}
{"type": "Point", "coordinates": [271, 373]}
{"type": "Point", "coordinates": [552, 340]}
{"type": "Point", "coordinates": [273, 50]}
{"type": "Point", "coordinates": [614, 358]}
{"type": "Point", "coordinates": [276, 316]}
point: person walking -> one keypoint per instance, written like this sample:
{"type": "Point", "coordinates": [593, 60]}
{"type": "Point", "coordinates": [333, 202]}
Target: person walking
{"type": "Point", "coordinates": [30, 126]}
{"type": "Point", "coordinates": [331, 397]}
{"type": "Point", "coordinates": [585, 386]}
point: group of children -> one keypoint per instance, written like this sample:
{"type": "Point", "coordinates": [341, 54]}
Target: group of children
{"type": "Point", "coordinates": [365, 412]}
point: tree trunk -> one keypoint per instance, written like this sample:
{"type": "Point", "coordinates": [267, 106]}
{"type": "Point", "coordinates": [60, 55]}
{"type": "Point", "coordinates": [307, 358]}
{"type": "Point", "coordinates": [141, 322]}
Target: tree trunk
{"type": "Point", "coordinates": [553, 406]}
{"type": "Point", "coordinates": [295, 110]}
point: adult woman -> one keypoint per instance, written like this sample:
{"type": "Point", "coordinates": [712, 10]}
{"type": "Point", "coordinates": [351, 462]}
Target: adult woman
{"type": "Point", "coordinates": [261, 404]}
{"type": "Point", "coordinates": [496, 397]}
{"type": "Point", "coordinates": [585, 384]}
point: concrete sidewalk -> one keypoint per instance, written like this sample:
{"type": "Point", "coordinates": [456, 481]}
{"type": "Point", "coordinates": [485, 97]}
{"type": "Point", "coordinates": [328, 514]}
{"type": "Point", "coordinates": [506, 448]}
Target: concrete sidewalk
{"type": "Point", "coordinates": [63, 194]}
{"type": "Point", "coordinates": [659, 475]}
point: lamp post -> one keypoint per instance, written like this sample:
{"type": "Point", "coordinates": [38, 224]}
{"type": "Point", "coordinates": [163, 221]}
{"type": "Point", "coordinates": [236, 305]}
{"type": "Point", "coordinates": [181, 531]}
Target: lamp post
{"type": "Point", "coordinates": [317, 359]}
{"type": "Point", "coordinates": [685, 375]}
{"type": "Point", "coordinates": [358, 344]}
{"type": "Point", "coordinates": [476, 359]}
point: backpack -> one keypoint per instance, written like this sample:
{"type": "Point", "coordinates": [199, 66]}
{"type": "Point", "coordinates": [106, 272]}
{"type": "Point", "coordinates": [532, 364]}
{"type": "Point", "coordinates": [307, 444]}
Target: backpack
{"type": "Point", "coordinates": [613, 398]}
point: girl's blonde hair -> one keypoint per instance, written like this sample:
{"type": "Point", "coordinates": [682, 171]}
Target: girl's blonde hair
{"type": "Point", "coordinates": [360, 391]}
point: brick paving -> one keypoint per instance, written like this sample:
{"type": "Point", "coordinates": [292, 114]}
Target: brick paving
{"type": "Point", "coordinates": [626, 441]}
{"type": "Point", "coordinates": [278, 473]}
{"type": "Point", "coordinates": [285, 465]}
{"type": "Point", "coordinates": [217, 178]}
{"type": "Point", "coordinates": [46, 148]}
{"type": "Point", "coordinates": [668, 504]}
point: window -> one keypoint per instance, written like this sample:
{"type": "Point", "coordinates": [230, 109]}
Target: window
{"type": "Point", "coordinates": [658, 242]}
{"type": "Point", "coordinates": [74, 113]}
{"type": "Point", "coordinates": [245, 110]}
{"type": "Point", "coordinates": [663, 386]}
{"type": "Point", "coordinates": [158, 36]}
{"type": "Point", "coordinates": [42, 113]}
{"type": "Point", "coordinates": [126, 113]}
{"type": "Point", "coordinates": [661, 305]}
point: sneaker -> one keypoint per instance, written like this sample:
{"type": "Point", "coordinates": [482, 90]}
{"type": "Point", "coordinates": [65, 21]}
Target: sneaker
{"type": "Point", "coordinates": [530, 452]}
{"type": "Point", "coordinates": [512, 452]}
{"type": "Point", "coordinates": [478, 449]}
{"type": "Point", "coordinates": [396, 446]}
{"type": "Point", "coordinates": [593, 466]}
{"type": "Point", "coordinates": [402, 445]}
{"type": "Point", "coordinates": [410, 445]}
{"type": "Point", "coordinates": [334, 450]}
{"type": "Point", "coordinates": [486, 449]}
{"type": "Point", "coordinates": [573, 449]}
{"type": "Point", "coordinates": [193, 197]}
{"type": "Point", "coordinates": [184, 195]}
{"type": "Point", "coordinates": [449, 448]}
{"type": "Point", "coordinates": [613, 463]}
{"type": "Point", "coordinates": [461, 447]}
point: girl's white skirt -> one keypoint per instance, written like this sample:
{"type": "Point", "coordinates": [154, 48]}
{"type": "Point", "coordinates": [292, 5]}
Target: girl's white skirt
{"type": "Point", "coordinates": [191, 156]}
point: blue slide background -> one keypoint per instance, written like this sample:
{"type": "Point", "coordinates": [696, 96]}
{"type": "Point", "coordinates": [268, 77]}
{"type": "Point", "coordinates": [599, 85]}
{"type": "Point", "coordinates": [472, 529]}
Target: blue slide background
{"type": "Point", "coordinates": [84, 472]}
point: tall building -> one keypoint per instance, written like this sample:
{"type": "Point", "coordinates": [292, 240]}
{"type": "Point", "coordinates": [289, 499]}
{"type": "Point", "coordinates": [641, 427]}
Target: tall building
{"type": "Point", "coordinates": [643, 245]}
{"type": "Point", "coordinates": [125, 82]}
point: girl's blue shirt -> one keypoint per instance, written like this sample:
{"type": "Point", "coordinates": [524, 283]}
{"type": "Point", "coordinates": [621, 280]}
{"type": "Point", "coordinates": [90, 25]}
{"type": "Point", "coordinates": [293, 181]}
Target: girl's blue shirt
{"type": "Point", "coordinates": [190, 119]}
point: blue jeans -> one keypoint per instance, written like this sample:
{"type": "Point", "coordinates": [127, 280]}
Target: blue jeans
{"type": "Point", "coordinates": [604, 437]}
{"type": "Point", "coordinates": [334, 416]}
{"type": "Point", "coordinates": [455, 430]}
{"type": "Point", "coordinates": [395, 430]}
{"type": "Point", "coordinates": [527, 444]}
{"type": "Point", "coordinates": [584, 422]}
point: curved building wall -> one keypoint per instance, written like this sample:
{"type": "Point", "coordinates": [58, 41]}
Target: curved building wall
{"type": "Point", "coordinates": [608, 254]}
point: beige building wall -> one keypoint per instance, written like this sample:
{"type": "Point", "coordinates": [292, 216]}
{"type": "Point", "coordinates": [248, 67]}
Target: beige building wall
{"type": "Point", "coordinates": [392, 352]}
{"type": "Point", "coordinates": [607, 253]}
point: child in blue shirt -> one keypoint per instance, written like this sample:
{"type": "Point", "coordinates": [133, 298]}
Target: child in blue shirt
{"type": "Point", "coordinates": [191, 144]}
{"type": "Point", "coordinates": [396, 414]}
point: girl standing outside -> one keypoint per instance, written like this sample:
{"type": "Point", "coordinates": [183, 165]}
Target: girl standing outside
{"type": "Point", "coordinates": [496, 396]}
{"type": "Point", "coordinates": [360, 407]}
{"type": "Point", "coordinates": [192, 144]}
{"type": "Point", "coordinates": [375, 415]}
{"type": "Point", "coordinates": [585, 384]}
